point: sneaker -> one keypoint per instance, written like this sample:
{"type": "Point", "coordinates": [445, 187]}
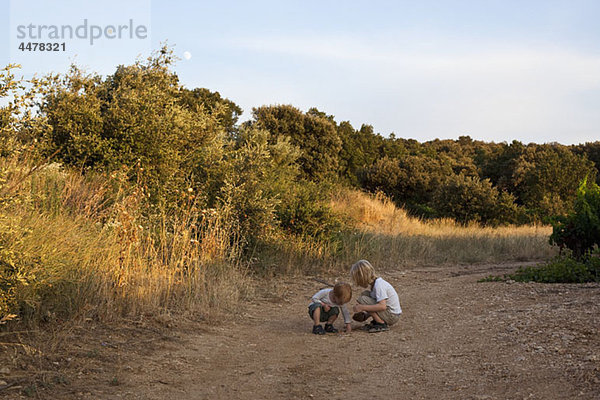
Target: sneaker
{"type": "Point", "coordinates": [377, 327]}
{"type": "Point", "coordinates": [318, 330]}
{"type": "Point", "coordinates": [330, 329]}
{"type": "Point", "coordinates": [360, 316]}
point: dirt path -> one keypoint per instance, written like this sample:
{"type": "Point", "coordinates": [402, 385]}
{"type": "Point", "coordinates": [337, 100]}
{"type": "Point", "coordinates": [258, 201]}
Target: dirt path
{"type": "Point", "coordinates": [457, 339]}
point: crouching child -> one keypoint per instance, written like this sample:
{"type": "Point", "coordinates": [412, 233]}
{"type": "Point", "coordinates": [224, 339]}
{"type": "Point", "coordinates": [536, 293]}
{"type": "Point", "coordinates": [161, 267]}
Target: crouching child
{"type": "Point", "coordinates": [381, 302]}
{"type": "Point", "coordinates": [325, 307]}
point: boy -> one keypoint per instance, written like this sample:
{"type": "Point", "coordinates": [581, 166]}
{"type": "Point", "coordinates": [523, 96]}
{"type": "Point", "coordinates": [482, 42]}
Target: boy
{"type": "Point", "coordinates": [325, 307]}
{"type": "Point", "coordinates": [380, 303]}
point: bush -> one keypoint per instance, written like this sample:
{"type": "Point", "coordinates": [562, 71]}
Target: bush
{"type": "Point", "coordinates": [561, 270]}
{"type": "Point", "coordinates": [256, 172]}
{"type": "Point", "coordinates": [305, 211]}
{"type": "Point", "coordinates": [312, 132]}
{"type": "Point", "coordinates": [468, 199]}
{"type": "Point", "coordinates": [580, 230]}
{"type": "Point", "coordinates": [546, 178]}
{"type": "Point", "coordinates": [409, 181]}
{"type": "Point", "coordinates": [132, 117]}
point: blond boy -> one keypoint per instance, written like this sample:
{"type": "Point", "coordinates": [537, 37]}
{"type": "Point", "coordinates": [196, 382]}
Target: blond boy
{"type": "Point", "coordinates": [381, 302]}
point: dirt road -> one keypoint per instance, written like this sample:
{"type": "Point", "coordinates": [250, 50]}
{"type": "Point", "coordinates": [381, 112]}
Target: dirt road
{"type": "Point", "coordinates": [457, 339]}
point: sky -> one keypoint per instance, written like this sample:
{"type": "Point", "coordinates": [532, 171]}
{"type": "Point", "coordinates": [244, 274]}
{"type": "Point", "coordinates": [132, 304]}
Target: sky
{"type": "Point", "coordinates": [494, 70]}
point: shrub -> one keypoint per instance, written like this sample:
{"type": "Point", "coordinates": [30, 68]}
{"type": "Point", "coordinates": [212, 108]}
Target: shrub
{"type": "Point", "coordinates": [18, 121]}
{"type": "Point", "coordinates": [468, 199]}
{"type": "Point", "coordinates": [256, 173]}
{"type": "Point", "coordinates": [410, 181]}
{"type": "Point", "coordinates": [305, 211]}
{"type": "Point", "coordinates": [546, 178]}
{"type": "Point", "coordinates": [580, 230]}
{"type": "Point", "coordinates": [312, 132]}
{"type": "Point", "coordinates": [132, 116]}
{"type": "Point", "coordinates": [561, 270]}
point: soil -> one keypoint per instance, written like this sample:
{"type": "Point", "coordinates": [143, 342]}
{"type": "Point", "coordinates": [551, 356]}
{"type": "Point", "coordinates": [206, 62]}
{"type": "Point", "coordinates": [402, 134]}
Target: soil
{"type": "Point", "coordinates": [457, 339]}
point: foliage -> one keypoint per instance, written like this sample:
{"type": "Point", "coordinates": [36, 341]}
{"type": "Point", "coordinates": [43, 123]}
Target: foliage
{"type": "Point", "coordinates": [257, 172]}
{"type": "Point", "coordinates": [19, 124]}
{"type": "Point", "coordinates": [561, 270]}
{"type": "Point", "coordinates": [360, 149]}
{"type": "Point", "coordinates": [313, 133]}
{"type": "Point", "coordinates": [410, 181]}
{"type": "Point", "coordinates": [580, 230]}
{"type": "Point", "coordinates": [468, 199]}
{"type": "Point", "coordinates": [591, 150]}
{"type": "Point", "coordinates": [305, 211]}
{"type": "Point", "coordinates": [133, 116]}
{"type": "Point", "coordinates": [546, 178]}
{"type": "Point", "coordinates": [202, 100]}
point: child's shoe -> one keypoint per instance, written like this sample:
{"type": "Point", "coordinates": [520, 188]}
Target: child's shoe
{"type": "Point", "coordinates": [318, 330]}
{"type": "Point", "coordinates": [377, 327]}
{"type": "Point", "coordinates": [330, 329]}
{"type": "Point", "coordinates": [368, 326]}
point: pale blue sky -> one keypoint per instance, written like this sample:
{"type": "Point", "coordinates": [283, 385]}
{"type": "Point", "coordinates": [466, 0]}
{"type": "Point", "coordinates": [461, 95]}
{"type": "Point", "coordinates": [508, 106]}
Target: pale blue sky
{"type": "Point", "coordinates": [495, 70]}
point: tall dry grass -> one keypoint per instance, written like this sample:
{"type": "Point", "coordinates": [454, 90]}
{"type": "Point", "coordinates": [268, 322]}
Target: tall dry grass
{"type": "Point", "coordinates": [388, 236]}
{"type": "Point", "coordinates": [80, 245]}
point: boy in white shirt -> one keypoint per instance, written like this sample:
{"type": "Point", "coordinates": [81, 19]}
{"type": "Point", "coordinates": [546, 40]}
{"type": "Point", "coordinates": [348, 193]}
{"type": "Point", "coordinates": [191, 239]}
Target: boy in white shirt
{"type": "Point", "coordinates": [380, 303]}
{"type": "Point", "coordinates": [325, 307]}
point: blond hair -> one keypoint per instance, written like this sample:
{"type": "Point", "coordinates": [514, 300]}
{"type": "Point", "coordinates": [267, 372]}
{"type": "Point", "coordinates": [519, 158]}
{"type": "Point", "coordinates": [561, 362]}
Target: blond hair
{"type": "Point", "coordinates": [363, 273]}
{"type": "Point", "coordinates": [342, 292]}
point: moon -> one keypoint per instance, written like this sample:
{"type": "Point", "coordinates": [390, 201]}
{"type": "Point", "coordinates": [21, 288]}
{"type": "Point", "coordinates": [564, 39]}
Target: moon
{"type": "Point", "coordinates": [187, 55]}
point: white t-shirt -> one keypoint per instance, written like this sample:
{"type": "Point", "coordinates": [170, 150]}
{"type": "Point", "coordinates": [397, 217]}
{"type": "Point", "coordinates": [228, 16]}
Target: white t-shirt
{"type": "Point", "coordinates": [382, 290]}
{"type": "Point", "coordinates": [322, 297]}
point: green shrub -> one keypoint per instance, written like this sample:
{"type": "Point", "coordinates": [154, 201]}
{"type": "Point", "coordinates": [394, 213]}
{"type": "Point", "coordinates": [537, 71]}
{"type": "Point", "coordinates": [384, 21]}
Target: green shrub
{"type": "Point", "coordinates": [256, 172]}
{"type": "Point", "coordinates": [312, 132]}
{"type": "Point", "coordinates": [305, 211]}
{"type": "Point", "coordinates": [561, 270]}
{"type": "Point", "coordinates": [132, 117]}
{"type": "Point", "coordinates": [469, 199]}
{"type": "Point", "coordinates": [410, 181]}
{"type": "Point", "coordinates": [580, 230]}
{"type": "Point", "coordinates": [546, 177]}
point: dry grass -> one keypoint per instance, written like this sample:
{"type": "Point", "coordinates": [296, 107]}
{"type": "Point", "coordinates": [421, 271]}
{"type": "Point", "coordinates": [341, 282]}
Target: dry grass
{"type": "Point", "coordinates": [73, 245]}
{"type": "Point", "coordinates": [389, 237]}
{"type": "Point", "coordinates": [86, 246]}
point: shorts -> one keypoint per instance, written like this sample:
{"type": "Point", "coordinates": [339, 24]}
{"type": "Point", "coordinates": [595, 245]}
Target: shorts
{"type": "Point", "coordinates": [325, 315]}
{"type": "Point", "coordinates": [387, 316]}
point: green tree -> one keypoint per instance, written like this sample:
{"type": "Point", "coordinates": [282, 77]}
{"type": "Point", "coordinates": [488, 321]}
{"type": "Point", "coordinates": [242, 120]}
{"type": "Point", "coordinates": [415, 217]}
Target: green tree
{"type": "Point", "coordinates": [409, 181]}
{"type": "Point", "coordinates": [256, 175]}
{"type": "Point", "coordinates": [546, 177]}
{"type": "Point", "coordinates": [315, 134]}
{"type": "Point", "coordinates": [360, 149]}
{"type": "Point", "coordinates": [469, 199]}
{"type": "Point", "coordinates": [133, 116]}
{"type": "Point", "coordinates": [19, 122]}
{"type": "Point", "coordinates": [591, 150]}
{"type": "Point", "coordinates": [74, 107]}
{"type": "Point", "coordinates": [203, 100]}
{"type": "Point", "coordinates": [580, 230]}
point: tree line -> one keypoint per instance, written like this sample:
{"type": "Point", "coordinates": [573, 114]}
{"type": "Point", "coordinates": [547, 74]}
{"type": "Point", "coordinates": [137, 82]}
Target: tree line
{"type": "Point", "coordinates": [273, 172]}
